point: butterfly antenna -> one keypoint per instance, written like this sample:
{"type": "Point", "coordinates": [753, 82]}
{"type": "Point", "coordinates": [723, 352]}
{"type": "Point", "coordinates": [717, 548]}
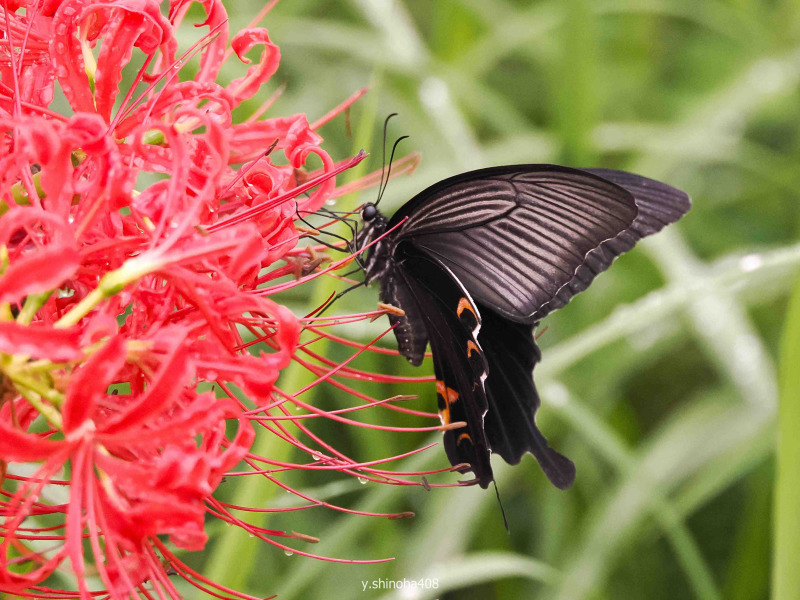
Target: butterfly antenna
{"type": "Point", "coordinates": [502, 511]}
{"type": "Point", "coordinates": [389, 172]}
{"type": "Point", "coordinates": [383, 156]}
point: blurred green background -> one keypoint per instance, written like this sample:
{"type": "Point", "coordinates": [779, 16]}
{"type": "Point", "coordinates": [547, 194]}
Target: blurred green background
{"type": "Point", "coordinates": [661, 382]}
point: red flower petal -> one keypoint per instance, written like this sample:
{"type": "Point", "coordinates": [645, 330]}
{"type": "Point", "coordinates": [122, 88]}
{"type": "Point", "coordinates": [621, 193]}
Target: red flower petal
{"type": "Point", "coordinates": [247, 86]}
{"type": "Point", "coordinates": [16, 445]}
{"type": "Point", "coordinates": [65, 48]}
{"type": "Point", "coordinates": [40, 341]}
{"type": "Point", "coordinates": [90, 382]}
{"type": "Point", "coordinates": [42, 270]}
{"type": "Point", "coordinates": [169, 381]}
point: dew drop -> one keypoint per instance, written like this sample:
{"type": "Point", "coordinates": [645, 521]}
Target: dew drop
{"type": "Point", "coordinates": [362, 481]}
{"type": "Point", "coordinates": [751, 262]}
{"type": "Point", "coordinates": [288, 552]}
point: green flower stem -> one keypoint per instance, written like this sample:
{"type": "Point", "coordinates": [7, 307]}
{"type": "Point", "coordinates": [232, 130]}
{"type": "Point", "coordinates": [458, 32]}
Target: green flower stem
{"type": "Point", "coordinates": [34, 385]}
{"type": "Point", "coordinates": [32, 305]}
{"type": "Point", "coordinates": [49, 412]}
{"type": "Point", "coordinates": [111, 284]}
{"type": "Point", "coordinates": [5, 312]}
{"type": "Point", "coordinates": [786, 541]}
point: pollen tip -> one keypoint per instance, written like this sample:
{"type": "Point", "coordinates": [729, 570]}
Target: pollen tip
{"type": "Point", "coordinates": [453, 425]}
{"type": "Point", "coordinates": [307, 230]}
{"type": "Point", "coordinates": [305, 538]}
{"type": "Point", "coordinates": [390, 308]}
{"type": "Point", "coordinates": [461, 467]}
{"type": "Point", "coordinates": [402, 515]}
{"type": "Point", "coordinates": [402, 397]}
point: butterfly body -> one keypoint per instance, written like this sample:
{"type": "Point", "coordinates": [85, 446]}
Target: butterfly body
{"type": "Point", "coordinates": [475, 261]}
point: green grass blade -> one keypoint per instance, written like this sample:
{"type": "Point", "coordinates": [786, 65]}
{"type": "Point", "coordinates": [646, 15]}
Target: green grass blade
{"type": "Point", "coordinates": [786, 574]}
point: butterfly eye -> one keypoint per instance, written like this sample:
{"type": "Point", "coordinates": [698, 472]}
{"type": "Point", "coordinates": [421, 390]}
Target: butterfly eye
{"type": "Point", "coordinates": [369, 212]}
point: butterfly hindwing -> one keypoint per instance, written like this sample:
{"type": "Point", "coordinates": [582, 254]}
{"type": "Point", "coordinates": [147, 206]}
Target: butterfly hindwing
{"type": "Point", "coordinates": [510, 424]}
{"type": "Point", "coordinates": [451, 322]}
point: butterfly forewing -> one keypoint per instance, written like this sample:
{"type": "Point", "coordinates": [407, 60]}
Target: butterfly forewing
{"type": "Point", "coordinates": [514, 236]}
{"type": "Point", "coordinates": [452, 322]}
{"type": "Point", "coordinates": [658, 205]}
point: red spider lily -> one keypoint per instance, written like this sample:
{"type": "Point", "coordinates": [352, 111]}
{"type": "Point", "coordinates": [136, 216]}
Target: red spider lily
{"type": "Point", "coordinates": [119, 301]}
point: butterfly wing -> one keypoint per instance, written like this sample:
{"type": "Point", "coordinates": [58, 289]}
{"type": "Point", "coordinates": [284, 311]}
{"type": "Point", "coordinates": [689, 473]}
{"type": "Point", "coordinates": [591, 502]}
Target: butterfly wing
{"type": "Point", "coordinates": [658, 205]}
{"type": "Point", "coordinates": [510, 423]}
{"type": "Point", "coordinates": [427, 290]}
{"type": "Point", "coordinates": [518, 236]}
{"type": "Point", "coordinates": [521, 240]}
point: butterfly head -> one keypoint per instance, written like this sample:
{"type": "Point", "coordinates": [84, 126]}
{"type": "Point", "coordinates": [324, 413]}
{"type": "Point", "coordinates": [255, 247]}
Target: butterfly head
{"type": "Point", "coordinates": [369, 212]}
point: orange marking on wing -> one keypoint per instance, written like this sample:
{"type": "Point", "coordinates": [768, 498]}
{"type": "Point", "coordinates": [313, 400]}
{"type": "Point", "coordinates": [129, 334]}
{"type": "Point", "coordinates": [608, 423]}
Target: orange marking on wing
{"type": "Point", "coordinates": [462, 437]}
{"type": "Point", "coordinates": [452, 396]}
{"type": "Point", "coordinates": [449, 395]}
{"type": "Point", "coordinates": [472, 347]}
{"type": "Point", "coordinates": [465, 304]}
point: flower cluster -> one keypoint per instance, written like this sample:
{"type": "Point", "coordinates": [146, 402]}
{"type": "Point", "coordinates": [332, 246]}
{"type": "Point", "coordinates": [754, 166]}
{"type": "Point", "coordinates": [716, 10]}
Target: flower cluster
{"type": "Point", "coordinates": [137, 234]}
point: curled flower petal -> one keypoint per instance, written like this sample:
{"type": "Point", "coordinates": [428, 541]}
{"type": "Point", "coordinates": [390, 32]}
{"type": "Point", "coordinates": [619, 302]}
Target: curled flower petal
{"type": "Point", "coordinates": [257, 75]}
{"type": "Point", "coordinates": [217, 21]}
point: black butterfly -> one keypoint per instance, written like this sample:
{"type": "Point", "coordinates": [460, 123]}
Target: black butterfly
{"type": "Point", "coordinates": [475, 261]}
